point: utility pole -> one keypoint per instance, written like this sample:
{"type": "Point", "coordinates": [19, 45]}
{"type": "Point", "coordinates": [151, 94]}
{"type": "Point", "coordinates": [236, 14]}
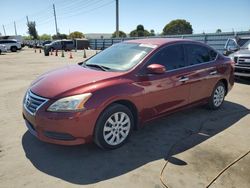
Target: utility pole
{"type": "Point", "coordinates": [27, 20]}
{"type": "Point", "coordinates": [4, 30]}
{"type": "Point", "coordinates": [55, 18]}
{"type": "Point", "coordinates": [15, 27]}
{"type": "Point", "coordinates": [117, 18]}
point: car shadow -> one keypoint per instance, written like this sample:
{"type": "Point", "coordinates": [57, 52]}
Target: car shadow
{"type": "Point", "coordinates": [86, 164]}
{"type": "Point", "coordinates": [242, 80]}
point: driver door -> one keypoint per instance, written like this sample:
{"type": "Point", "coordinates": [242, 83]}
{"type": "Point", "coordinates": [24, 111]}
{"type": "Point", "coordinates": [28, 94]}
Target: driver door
{"type": "Point", "coordinates": [168, 91]}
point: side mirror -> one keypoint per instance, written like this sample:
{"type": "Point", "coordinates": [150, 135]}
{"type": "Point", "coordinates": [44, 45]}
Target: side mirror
{"type": "Point", "coordinates": [233, 48]}
{"type": "Point", "coordinates": [156, 69]}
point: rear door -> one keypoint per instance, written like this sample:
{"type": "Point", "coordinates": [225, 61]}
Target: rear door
{"type": "Point", "coordinates": [203, 70]}
{"type": "Point", "coordinates": [168, 91]}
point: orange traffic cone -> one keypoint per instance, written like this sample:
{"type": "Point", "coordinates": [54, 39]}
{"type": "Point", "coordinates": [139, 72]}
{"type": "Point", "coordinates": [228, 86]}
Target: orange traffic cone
{"type": "Point", "coordinates": [70, 55]}
{"type": "Point", "coordinates": [56, 53]}
{"type": "Point", "coordinates": [51, 52]}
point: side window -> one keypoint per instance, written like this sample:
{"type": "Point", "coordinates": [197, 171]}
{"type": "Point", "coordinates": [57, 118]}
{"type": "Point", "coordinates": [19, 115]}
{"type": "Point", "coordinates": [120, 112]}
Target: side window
{"type": "Point", "coordinates": [213, 54]}
{"type": "Point", "coordinates": [172, 57]}
{"type": "Point", "coordinates": [69, 42]}
{"type": "Point", "coordinates": [231, 44]}
{"type": "Point", "coordinates": [197, 54]}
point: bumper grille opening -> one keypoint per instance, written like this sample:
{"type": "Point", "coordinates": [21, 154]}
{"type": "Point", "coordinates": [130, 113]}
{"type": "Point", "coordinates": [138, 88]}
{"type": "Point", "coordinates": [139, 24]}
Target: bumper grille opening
{"type": "Point", "coordinates": [58, 136]}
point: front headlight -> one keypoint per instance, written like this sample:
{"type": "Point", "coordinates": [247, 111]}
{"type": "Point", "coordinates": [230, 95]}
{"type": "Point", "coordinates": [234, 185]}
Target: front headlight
{"type": "Point", "coordinates": [68, 104]}
{"type": "Point", "coordinates": [231, 57]}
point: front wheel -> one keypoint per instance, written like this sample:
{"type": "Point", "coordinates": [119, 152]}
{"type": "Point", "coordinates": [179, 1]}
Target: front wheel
{"type": "Point", "coordinates": [13, 49]}
{"type": "Point", "coordinates": [217, 97]}
{"type": "Point", "coordinates": [113, 127]}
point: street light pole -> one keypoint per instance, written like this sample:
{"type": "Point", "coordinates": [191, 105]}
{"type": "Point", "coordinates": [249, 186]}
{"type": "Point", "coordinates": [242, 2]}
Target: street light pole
{"type": "Point", "coordinates": [55, 19]}
{"type": "Point", "coordinates": [117, 18]}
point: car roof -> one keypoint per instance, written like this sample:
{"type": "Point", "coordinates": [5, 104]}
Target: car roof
{"type": "Point", "coordinates": [158, 41]}
{"type": "Point", "coordinates": [8, 40]}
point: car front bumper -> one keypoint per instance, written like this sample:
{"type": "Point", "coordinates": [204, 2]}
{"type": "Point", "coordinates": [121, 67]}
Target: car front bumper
{"type": "Point", "coordinates": [61, 128]}
{"type": "Point", "coordinates": [242, 71]}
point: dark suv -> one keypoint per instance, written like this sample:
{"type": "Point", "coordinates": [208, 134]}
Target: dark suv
{"type": "Point", "coordinates": [66, 45]}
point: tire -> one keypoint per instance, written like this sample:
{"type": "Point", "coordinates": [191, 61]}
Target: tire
{"type": "Point", "coordinates": [113, 127]}
{"type": "Point", "coordinates": [13, 48]}
{"type": "Point", "coordinates": [0, 52]}
{"type": "Point", "coordinates": [217, 97]}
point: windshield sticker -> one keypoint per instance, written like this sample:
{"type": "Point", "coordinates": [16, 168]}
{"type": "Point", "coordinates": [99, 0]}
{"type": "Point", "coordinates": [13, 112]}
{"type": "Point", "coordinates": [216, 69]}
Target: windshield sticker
{"type": "Point", "coordinates": [148, 45]}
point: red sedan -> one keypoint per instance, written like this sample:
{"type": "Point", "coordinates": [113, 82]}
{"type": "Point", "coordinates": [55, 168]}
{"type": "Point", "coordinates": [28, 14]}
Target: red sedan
{"type": "Point", "coordinates": [106, 97]}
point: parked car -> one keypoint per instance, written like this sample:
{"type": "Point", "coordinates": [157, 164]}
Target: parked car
{"type": "Point", "coordinates": [18, 38]}
{"type": "Point", "coordinates": [46, 42]}
{"type": "Point", "coordinates": [2, 48]}
{"type": "Point", "coordinates": [238, 50]}
{"type": "Point", "coordinates": [106, 97]}
{"type": "Point", "coordinates": [66, 45]}
{"type": "Point", "coordinates": [11, 44]}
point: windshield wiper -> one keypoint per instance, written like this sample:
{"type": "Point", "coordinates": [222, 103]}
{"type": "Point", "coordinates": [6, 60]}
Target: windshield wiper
{"type": "Point", "coordinates": [104, 68]}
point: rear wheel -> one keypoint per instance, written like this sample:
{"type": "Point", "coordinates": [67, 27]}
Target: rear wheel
{"type": "Point", "coordinates": [217, 97]}
{"type": "Point", "coordinates": [113, 127]}
{"type": "Point", "coordinates": [13, 48]}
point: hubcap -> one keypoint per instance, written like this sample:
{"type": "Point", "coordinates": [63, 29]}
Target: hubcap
{"type": "Point", "coordinates": [116, 128]}
{"type": "Point", "coordinates": [219, 96]}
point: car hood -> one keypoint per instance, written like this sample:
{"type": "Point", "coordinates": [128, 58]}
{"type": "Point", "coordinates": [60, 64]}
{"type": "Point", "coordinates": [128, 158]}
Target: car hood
{"type": "Point", "coordinates": [59, 81]}
{"type": "Point", "coordinates": [242, 52]}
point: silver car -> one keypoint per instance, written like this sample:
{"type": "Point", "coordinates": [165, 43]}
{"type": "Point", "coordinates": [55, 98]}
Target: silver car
{"type": "Point", "coordinates": [239, 51]}
{"type": "Point", "coordinates": [3, 48]}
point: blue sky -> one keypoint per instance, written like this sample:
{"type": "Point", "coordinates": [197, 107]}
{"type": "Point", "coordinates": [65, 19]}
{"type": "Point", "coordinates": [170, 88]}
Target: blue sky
{"type": "Point", "coordinates": [98, 16]}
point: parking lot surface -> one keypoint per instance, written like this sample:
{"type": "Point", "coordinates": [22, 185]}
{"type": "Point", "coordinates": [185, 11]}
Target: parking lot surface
{"type": "Point", "coordinates": [190, 147]}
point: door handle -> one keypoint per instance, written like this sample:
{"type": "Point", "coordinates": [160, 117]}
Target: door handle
{"type": "Point", "coordinates": [183, 79]}
{"type": "Point", "coordinates": [213, 72]}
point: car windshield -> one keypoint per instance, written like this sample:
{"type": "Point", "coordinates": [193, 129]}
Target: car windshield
{"type": "Point", "coordinates": [120, 57]}
{"type": "Point", "coordinates": [247, 45]}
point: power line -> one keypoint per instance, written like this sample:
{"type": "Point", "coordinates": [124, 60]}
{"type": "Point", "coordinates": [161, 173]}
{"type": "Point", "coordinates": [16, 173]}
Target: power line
{"type": "Point", "coordinates": [90, 10]}
{"type": "Point", "coordinates": [79, 9]}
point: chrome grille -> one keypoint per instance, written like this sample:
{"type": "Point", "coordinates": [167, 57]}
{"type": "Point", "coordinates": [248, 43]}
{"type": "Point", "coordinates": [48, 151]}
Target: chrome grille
{"type": "Point", "coordinates": [33, 102]}
{"type": "Point", "coordinates": [244, 61]}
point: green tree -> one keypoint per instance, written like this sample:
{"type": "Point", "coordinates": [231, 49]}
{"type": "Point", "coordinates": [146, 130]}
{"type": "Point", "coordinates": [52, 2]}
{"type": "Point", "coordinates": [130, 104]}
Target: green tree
{"type": "Point", "coordinates": [76, 34]}
{"type": "Point", "coordinates": [139, 32]}
{"type": "Point", "coordinates": [121, 34]}
{"type": "Point", "coordinates": [45, 37]}
{"type": "Point", "coordinates": [218, 31]}
{"type": "Point", "coordinates": [178, 27]}
{"type": "Point", "coordinates": [32, 29]}
{"type": "Point", "coordinates": [27, 37]}
{"type": "Point", "coordinates": [59, 36]}
{"type": "Point", "coordinates": [152, 32]}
